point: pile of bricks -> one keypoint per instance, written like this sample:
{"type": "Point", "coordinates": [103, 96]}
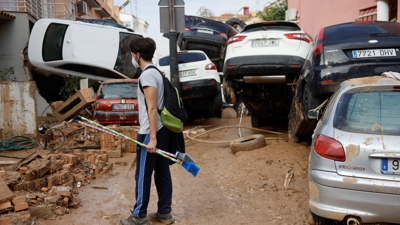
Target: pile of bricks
{"type": "Point", "coordinates": [47, 186]}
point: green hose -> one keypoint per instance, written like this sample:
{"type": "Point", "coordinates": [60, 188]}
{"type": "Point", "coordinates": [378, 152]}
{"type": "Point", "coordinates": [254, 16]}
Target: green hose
{"type": "Point", "coordinates": [17, 142]}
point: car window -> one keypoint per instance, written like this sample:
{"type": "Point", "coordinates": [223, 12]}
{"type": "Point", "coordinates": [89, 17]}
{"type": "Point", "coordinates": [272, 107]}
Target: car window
{"type": "Point", "coordinates": [124, 59]}
{"type": "Point", "coordinates": [53, 42]}
{"type": "Point", "coordinates": [184, 58]}
{"type": "Point", "coordinates": [118, 90]}
{"type": "Point", "coordinates": [348, 31]}
{"type": "Point", "coordinates": [193, 22]}
{"type": "Point", "coordinates": [369, 112]}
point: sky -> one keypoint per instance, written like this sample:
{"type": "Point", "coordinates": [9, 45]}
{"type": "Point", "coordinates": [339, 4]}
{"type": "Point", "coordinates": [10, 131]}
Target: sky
{"type": "Point", "coordinates": [149, 10]}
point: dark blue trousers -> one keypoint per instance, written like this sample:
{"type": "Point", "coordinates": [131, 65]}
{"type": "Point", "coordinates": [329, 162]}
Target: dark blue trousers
{"type": "Point", "coordinates": [146, 163]}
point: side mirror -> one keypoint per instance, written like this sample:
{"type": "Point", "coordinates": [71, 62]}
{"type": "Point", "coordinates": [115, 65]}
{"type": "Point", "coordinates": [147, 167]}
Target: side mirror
{"type": "Point", "coordinates": [313, 114]}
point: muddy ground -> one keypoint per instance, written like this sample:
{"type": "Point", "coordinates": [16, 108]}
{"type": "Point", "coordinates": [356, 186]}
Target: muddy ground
{"type": "Point", "coordinates": [243, 188]}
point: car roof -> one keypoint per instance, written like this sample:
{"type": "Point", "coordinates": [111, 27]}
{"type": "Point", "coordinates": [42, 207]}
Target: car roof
{"type": "Point", "coordinates": [372, 80]}
{"type": "Point", "coordinates": [81, 23]}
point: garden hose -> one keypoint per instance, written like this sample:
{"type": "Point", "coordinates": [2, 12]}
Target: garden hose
{"type": "Point", "coordinates": [17, 143]}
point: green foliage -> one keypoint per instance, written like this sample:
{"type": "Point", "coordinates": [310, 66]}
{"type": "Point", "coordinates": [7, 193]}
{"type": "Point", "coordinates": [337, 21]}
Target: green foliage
{"type": "Point", "coordinates": [72, 85]}
{"type": "Point", "coordinates": [6, 74]}
{"type": "Point", "coordinates": [275, 11]}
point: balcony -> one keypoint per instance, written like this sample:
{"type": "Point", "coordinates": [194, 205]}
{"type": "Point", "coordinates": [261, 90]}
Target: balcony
{"type": "Point", "coordinates": [33, 7]}
{"type": "Point", "coordinates": [57, 11]}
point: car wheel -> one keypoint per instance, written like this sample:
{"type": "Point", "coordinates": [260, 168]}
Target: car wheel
{"type": "Point", "coordinates": [236, 23]}
{"type": "Point", "coordinates": [217, 104]}
{"type": "Point", "coordinates": [309, 101]}
{"type": "Point", "coordinates": [248, 143]}
{"type": "Point", "coordinates": [317, 220]}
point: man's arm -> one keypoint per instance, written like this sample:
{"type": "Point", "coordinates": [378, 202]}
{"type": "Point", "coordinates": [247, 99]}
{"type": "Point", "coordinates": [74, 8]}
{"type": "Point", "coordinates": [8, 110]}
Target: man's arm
{"type": "Point", "coordinates": [151, 94]}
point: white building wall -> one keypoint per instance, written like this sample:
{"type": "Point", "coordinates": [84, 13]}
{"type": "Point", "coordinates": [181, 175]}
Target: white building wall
{"type": "Point", "coordinates": [133, 22]}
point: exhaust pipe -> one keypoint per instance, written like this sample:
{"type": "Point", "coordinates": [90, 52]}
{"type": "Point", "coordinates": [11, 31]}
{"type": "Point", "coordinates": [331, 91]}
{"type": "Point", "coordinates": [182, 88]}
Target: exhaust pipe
{"type": "Point", "coordinates": [353, 221]}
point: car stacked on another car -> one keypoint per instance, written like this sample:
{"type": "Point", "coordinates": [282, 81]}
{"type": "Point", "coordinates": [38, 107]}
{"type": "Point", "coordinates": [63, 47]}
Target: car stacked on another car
{"type": "Point", "coordinates": [200, 83]}
{"type": "Point", "coordinates": [341, 52]}
{"type": "Point", "coordinates": [116, 102]}
{"type": "Point", "coordinates": [261, 63]}
{"type": "Point", "coordinates": [103, 22]}
{"type": "Point", "coordinates": [207, 35]}
{"type": "Point", "coordinates": [354, 162]}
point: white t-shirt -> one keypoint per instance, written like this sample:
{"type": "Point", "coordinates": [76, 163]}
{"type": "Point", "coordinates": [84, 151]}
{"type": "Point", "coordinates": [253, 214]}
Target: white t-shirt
{"type": "Point", "coordinates": [150, 77]}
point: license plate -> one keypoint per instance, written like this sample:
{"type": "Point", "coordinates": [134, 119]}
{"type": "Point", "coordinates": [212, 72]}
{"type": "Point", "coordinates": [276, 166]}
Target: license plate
{"type": "Point", "coordinates": [188, 73]}
{"type": "Point", "coordinates": [123, 106]}
{"type": "Point", "coordinates": [390, 166]}
{"type": "Point", "coordinates": [374, 53]}
{"type": "Point", "coordinates": [206, 31]}
{"type": "Point", "coordinates": [265, 43]}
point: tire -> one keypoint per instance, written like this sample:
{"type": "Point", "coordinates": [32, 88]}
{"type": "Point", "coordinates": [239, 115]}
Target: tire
{"type": "Point", "coordinates": [217, 104]}
{"type": "Point", "coordinates": [235, 22]}
{"type": "Point", "coordinates": [309, 101]}
{"type": "Point", "coordinates": [248, 143]}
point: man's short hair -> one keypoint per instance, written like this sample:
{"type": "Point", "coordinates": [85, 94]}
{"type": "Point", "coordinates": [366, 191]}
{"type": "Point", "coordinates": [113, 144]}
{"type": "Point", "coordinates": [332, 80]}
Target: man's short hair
{"type": "Point", "coordinates": [145, 46]}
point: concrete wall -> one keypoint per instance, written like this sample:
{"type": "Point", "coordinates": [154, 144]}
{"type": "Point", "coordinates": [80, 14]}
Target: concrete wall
{"type": "Point", "coordinates": [18, 112]}
{"type": "Point", "coordinates": [315, 14]}
{"type": "Point", "coordinates": [14, 37]}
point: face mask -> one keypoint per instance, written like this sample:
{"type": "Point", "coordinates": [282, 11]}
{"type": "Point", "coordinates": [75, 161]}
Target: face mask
{"type": "Point", "coordinates": [135, 63]}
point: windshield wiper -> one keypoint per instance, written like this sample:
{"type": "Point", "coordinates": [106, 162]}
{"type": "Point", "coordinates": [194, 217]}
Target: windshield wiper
{"type": "Point", "coordinates": [382, 34]}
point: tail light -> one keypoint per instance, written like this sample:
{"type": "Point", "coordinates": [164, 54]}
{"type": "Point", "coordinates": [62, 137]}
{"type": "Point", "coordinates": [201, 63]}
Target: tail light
{"type": "Point", "coordinates": [299, 36]}
{"type": "Point", "coordinates": [329, 148]}
{"type": "Point", "coordinates": [236, 39]}
{"type": "Point", "coordinates": [223, 35]}
{"type": "Point", "coordinates": [187, 29]}
{"type": "Point", "coordinates": [319, 42]}
{"type": "Point", "coordinates": [211, 66]}
{"type": "Point", "coordinates": [363, 22]}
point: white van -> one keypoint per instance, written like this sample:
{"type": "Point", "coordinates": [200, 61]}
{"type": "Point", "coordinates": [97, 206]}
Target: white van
{"type": "Point", "coordinates": [65, 47]}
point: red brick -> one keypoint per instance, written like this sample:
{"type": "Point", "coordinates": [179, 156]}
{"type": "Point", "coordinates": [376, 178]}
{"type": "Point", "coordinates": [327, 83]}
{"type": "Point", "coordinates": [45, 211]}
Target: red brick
{"type": "Point", "coordinates": [21, 206]}
{"type": "Point", "coordinates": [55, 166]}
{"type": "Point", "coordinates": [5, 220]}
{"type": "Point", "coordinates": [25, 216]}
{"type": "Point", "coordinates": [69, 158]}
{"type": "Point", "coordinates": [5, 206]}
{"type": "Point", "coordinates": [104, 157]}
{"type": "Point", "coordinates": [63, 177]}
{"type": "Point", "coordinates": [21, 186]}
{"type": "Point", "coordinates": [18, 199]}
{"type": "Point", "coordinates": [108, 168]}
{"type": "Point", "coordinates": [114, 153]}
{"type": "Point", "coordinates": [68, 167]}
{"type": "Point", "coordinates": [53, 180]}
{"type": "Point", "coordinates": [23, 169]}
{"type": "Point", "coordinates": [96, 152]}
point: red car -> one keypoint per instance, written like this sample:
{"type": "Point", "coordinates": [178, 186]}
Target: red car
{"type": "Point", "coordinates": [116, 102]}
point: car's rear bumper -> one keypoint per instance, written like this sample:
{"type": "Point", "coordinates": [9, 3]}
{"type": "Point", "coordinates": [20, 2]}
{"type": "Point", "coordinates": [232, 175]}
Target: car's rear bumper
{"type": "Point", "coordinates": [263, 65]}
{"type": "Point", "coordinates": [326, 80]}
{"type": "Point", "coordinates": [337, 202]}
{"type": "Point", "coordinates": [200, 88]}
{"type": "Point", "coordinates": [122, 118]}
{"type": "Point", "coordinates": [213, 45]}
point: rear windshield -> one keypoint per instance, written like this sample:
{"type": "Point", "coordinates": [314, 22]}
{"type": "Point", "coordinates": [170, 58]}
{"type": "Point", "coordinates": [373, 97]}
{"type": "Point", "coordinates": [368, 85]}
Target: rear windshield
{"type": "Point", "coordinates": [53, 42]}
{"type": "Point", "coordinates": [369, 113]}
{"type": "Point", "coordinates": [118, 90]}
{"type": "Point", "coordinates": [279, 26]}
{"type": "Point", "coordinates": [184, 58]}
{"type": "Point", "coordinates": [198, 22]}
{"type": "Point", "coordinates": [348, 31]}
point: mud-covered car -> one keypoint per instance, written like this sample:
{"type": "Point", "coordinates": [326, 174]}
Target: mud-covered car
{"type": "Point", "coordinates": [261, 63]}
{"type": "Point", "coordinates": [341, 52]}
{"type": "Point", "coordinates": [207, 35]}
{"type": "Point", "coordinates": [116, 102]}
{"type": "Point", "coordinates": [354, 161]}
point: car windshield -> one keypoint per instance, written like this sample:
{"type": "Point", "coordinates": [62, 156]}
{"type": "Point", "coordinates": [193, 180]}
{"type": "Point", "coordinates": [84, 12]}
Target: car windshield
{"type": "Point", "coordinates": [348, 31]}
{"type": "Point", "coordinates": [124, 60]}
{"type": "Point", "coordinates": [53, 42]}
{"type": "Point", "coordinates": [369, 113]}
{"type": "Point", "coordinates": [118, 90]}
{"type": "Point", "coordinates": [198, 22]}
{"type": "Point", "coordinates": [184, 58]}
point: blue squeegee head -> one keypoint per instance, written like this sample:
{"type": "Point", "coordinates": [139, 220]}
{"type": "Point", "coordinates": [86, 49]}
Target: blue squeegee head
{"type": "Point", "coordinates": [191, 168]}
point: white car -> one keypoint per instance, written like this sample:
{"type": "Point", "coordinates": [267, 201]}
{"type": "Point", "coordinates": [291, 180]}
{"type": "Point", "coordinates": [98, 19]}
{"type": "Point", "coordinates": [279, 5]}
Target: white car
{"type": "Point", "coordinates": [200, 83]}
{"type": "Point", "coordinates": [260, 64]}
{"type": "Point", "coordinates": [65, 47]}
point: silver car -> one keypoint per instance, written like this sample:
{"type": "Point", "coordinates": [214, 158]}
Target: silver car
{"type": "Point", "coordinates": [354, 167]}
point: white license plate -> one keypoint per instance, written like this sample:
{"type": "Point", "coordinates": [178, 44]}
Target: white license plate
{"type": "Point", "coordinates": [206, 31]}
{"type": "Point", "coordinates": [390, 166]}
{"type": "Point", "coordinates": [123, 106]}
{"type": "Point", "coordinates": [374, 53]}
{"type": "Point", "coordinates": [265, 43]}
{"type": "Point", "coordinates": [188, 73]}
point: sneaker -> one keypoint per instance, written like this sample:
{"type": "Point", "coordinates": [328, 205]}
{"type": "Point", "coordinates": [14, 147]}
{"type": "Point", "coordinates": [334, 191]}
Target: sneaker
{"type": "Point", "coordinates": [134, 221]}
{"type": "Point", "coordinates": [163, 218]}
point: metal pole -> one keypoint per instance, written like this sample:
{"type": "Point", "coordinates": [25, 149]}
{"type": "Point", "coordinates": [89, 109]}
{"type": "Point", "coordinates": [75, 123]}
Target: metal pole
{"type": "Point", "coordinates": [173, 51]}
